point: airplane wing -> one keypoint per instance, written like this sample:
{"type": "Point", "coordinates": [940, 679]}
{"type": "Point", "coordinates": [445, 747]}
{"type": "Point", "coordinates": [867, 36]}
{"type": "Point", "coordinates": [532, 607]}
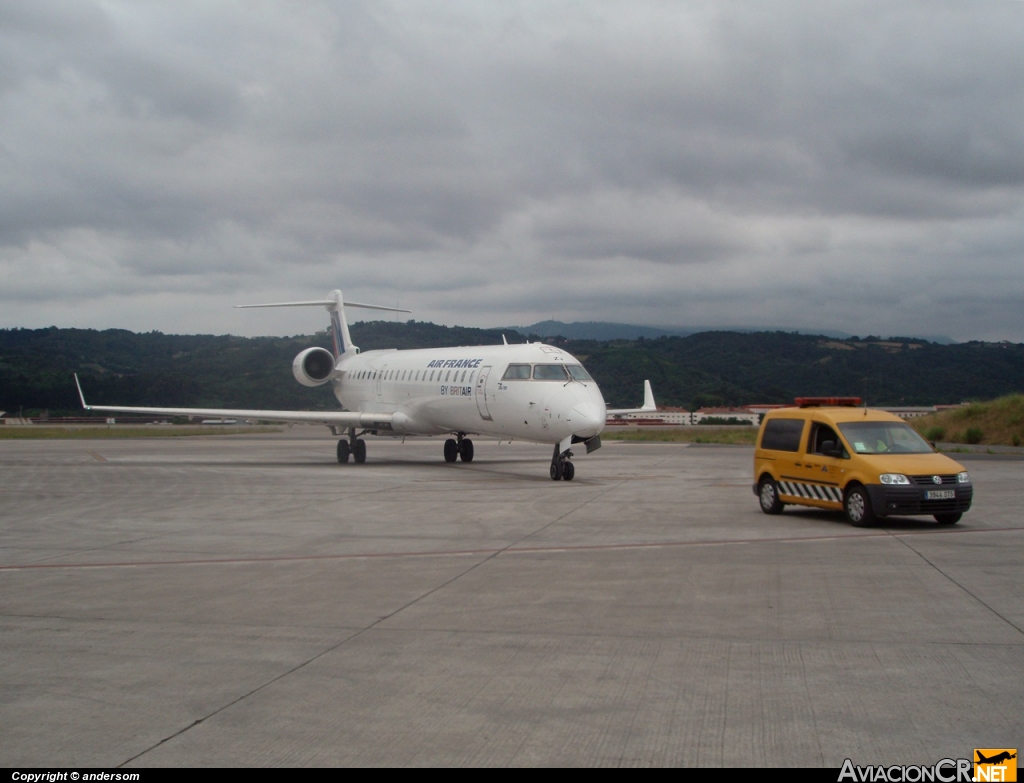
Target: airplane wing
{"type": "Point", "coordinates": [648, 406]}
{"type": "Point", "coordinates": [337, 418]}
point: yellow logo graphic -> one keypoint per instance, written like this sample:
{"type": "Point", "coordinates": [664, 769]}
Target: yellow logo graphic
{"type": "Point", "coordinates": [998, 765]}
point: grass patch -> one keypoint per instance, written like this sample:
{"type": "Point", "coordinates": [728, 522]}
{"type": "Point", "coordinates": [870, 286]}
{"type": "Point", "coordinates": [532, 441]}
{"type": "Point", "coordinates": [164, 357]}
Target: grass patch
{"type": "Point", "coordinates": [49, 432]}
{"type": "Point", "coordinates": [729, 436]}
{"type": "Point", "coordinates": [997, 423]}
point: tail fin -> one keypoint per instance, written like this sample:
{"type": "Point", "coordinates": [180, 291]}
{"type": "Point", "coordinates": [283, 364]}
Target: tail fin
{"type": "Point", "coordinates": [335, 305]}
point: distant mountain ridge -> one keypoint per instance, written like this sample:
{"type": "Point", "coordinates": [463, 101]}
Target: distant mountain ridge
{"type": "Point", "coordinates": [606, 330]}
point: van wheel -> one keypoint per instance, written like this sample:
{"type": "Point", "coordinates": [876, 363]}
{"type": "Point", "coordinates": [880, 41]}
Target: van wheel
{"type": "Point", "coordinates": [858, 507]}
{"type": "Point", "coordinates": [947, 519]}
{"type": "Point", "coordinates": [768, 494]}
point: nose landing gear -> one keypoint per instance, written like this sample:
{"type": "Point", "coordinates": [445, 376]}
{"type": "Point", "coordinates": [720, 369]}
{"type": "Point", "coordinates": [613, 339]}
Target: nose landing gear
{"type": "Point", "coordinates": [561, 467]}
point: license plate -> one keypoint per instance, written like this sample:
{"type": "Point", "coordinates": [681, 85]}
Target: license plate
{"type": "Point", "coordinates": [940, 494]}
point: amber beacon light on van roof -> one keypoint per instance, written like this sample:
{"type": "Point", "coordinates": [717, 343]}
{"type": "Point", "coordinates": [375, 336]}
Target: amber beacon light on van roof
{"type": "Point", "coordinates": [814, 402]}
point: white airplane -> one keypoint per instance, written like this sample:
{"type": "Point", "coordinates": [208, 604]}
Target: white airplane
{"type": "Point", "coordinates": [532, 392]}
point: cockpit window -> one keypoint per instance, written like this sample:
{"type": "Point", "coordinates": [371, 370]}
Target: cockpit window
{"type": "Point", "coordinates": [549, 372]}
{"type": "Point", "coordinates": [578, 373]}
{"type": "Point", "coordinates": [517, 372]}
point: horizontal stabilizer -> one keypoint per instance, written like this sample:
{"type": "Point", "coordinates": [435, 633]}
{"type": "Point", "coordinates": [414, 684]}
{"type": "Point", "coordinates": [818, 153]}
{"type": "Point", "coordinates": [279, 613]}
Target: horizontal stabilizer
{"type": "Point", "coordinates": [335, 304]}
{"type": "Point", "coordinates": [324, 303]}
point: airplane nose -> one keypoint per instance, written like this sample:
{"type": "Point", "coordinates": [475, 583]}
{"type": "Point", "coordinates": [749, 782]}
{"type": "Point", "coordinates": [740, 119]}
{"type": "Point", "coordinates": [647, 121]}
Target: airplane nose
{"type": "Point", "coordinates": [587, 419]}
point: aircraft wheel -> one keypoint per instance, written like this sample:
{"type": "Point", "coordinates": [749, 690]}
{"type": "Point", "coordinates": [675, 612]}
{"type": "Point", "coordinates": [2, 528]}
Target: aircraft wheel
{"type": "Point", "coordinates": [343, 451]}
{"type": "Point", "coordinates": [360, 451]}
{"type": "Point", "coordinates": [466, 450]}
{"type": "Point", "coordinates": [858, 507]}
{"type": "Point", "coordinates": [556, 471]}
{"type": "Point", "coordinates": [947, 519]}
{"type": "Point", "coordinates": [568, 470]}
{"type": "Point", "coordinates": [768, 495]}
{"type": "Point", "coordinates": [451, 450]}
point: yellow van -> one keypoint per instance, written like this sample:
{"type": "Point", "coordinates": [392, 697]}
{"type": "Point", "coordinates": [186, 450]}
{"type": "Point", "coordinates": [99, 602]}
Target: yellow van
{"type": "Point", "coordinates": [829, 453]}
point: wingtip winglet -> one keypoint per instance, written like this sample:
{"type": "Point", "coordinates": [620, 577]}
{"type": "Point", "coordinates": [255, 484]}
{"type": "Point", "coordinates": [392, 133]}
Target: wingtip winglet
{"type": "Point", "coordinates": [81, 396]}
{"type": "Point", "coordinates": [649, 397]}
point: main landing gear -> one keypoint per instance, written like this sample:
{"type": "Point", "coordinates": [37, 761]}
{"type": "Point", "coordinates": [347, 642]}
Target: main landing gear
{"type": "Point", "coordinates": [463, 447]}
{"type": "Point", "coordinates": [561, 467]}
{"type": "Point", "coordinates": [354, 447]}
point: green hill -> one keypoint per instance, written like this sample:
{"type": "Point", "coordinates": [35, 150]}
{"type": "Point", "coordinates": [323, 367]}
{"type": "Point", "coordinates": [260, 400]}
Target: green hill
{"type": "Point", "coordinates": [710, 368]}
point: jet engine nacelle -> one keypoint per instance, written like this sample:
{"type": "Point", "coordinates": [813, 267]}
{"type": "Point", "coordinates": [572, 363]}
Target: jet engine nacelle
{"type": "Point", "coordinates": [313, 366]}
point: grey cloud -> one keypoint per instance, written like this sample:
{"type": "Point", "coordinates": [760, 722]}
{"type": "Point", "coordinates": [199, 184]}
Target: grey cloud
{"type": "Point", "coordinates": [702, 162]}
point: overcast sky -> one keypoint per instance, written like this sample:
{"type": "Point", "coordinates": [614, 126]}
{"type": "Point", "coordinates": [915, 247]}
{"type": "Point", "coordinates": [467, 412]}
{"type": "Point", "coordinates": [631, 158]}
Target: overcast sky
{"type": "Point", "coordinates": [854, 166]}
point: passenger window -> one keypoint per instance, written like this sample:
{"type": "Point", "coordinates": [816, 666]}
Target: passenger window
{"type": "Point", "coordinates": [517, 372]}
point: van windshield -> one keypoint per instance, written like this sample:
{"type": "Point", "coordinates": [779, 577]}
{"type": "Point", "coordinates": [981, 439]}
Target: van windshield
{"type": "Point", "coordinates": [883, 437]}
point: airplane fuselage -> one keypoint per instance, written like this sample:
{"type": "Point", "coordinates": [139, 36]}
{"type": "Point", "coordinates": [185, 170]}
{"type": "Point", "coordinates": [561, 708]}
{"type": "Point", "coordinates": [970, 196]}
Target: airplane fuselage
{"type": "Point", "coordinates": [545, 397]}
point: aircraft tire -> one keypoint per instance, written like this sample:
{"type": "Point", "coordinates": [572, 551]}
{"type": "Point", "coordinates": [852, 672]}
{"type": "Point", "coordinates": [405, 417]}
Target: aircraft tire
{"type": "Point", "coordinates": [768, 496]}
{"type": "Point", "coordinates": [343, 451]}
{"type": "Point", "coordinates": [947, 519]}
{"type": "Point", "coordinates": [556, 471]}
{"type": "Point", "coordinates": [360, 451]}
{"type": "Point", "coordinates": [857, 506]}
{"type": "Point", "coordinates": [568, 470]}
{"type": "Point", "coordinates": [466, 450]}
{"type": "Point", "coordinates": [451, 450]}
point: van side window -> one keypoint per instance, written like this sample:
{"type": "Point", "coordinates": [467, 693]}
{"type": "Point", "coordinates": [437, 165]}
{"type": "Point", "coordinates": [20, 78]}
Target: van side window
{"type": "Point", "coordinates": [782, 434]}
{"type": "Point", "coordinates": [822, 434]}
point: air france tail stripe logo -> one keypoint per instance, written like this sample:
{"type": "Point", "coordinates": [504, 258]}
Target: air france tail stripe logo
{"type": "Point", "coordinates": [811, 491]}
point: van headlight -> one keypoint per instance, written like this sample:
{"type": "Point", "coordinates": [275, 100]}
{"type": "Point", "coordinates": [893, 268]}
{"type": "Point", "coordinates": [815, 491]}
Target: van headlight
{"type": "Point", "coordinates": [893, 478]}
{"type": "Point", "coordinates": [963, 477]}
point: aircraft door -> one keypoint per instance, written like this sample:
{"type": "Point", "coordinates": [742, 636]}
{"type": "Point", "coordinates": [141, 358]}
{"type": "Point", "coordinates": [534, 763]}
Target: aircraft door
{"type": "Point", "coordinates": [481, 393]}
{"type": "Point", "coordinates": [380, 377]}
